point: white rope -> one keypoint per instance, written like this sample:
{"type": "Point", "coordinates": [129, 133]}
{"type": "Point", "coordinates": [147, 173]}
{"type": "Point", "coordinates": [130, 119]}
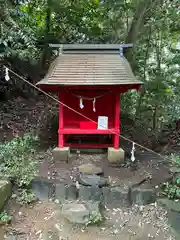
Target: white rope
{"type": "Point", "coordinates": [81, 98]}
{"type": "Point", "coordinates": [88, 98]}
{"type": "Point", "coordinates": [56, 100]}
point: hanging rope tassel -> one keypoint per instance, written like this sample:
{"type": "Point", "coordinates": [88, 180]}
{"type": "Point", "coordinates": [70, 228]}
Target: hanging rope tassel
{"type": "Point", "coordinates": [81, 103]}
{"type": "Point", "coordinates": [94, 105]}
{"type": "Point", "coordinates": [7, 78]}
{"type": "Point", "coordinates": [132, 153]}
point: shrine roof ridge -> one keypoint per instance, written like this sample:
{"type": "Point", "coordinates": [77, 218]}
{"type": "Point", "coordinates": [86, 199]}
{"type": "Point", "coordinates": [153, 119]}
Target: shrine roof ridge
{"type": "Point", "coordinates": [90, 46]}
{"type": "Point", "coordinates": [90, 64]}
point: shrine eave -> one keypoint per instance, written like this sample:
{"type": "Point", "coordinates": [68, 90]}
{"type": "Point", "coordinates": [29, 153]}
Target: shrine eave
{"type": "Point", "coordinates": [89, 67]}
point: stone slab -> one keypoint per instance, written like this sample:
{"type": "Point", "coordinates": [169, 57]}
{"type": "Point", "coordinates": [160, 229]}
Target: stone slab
{"type": "Point", "coordinates": [65, 192]}
{"type": "Point", "coordinates": [141, 196]}
{"type": "Point", "coordinates": [5, 192]}
{"type": "Point", "coordinates": [60, 191]}
{"type": "Point", "coordinates": [43, 189]}
{"type": "Point", "coordinates": [61, 154]}
{"type": "Point", "coordinates": [116, 155]}
{"type": "Point", "coordinates": [92, 180]}
{"type": "Point", "coordinates": [90, 168]}
{"type": "Point", "coordinates": [169, 204]}
{"type": "Point", "coordinates": [116, 197]}
{"type": "Point", "coordinates": [81, 212]}
{"type": "Point", "coordinates": [71, 192]}
{"type": "Point", "coordinates": [90, 193]}
{"type": "Point", "coordinates": [173, 211]}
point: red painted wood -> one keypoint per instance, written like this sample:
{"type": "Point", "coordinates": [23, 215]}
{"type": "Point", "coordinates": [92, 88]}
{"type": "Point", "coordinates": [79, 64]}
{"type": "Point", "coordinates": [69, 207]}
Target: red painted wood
{"type": "Point", "coordinates": [70, 123]}
{"type": "Point", "coordinates": [60, 140]}
{"type": "Point", "coordinates": [71, 145]}
{"type": "Point", "coordinates": [104, 107]}
{"type": "Point", "coordinates": [87, 131]}
{"type": "Point", "coordinates": [117, 88]}
{"type": "Point", "coordinates": [87, 125]}
{"type": "Point", "coordinates": [61, 121]}
{"type": "Point", "coordinates": [117, 120]}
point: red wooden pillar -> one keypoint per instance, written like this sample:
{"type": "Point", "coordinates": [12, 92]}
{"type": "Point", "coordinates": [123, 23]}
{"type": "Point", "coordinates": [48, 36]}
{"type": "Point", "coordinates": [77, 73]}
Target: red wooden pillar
{"type": "Point", "coordinates": [61, 120]}
{"type": "Point", "coordinates": [117, 120]}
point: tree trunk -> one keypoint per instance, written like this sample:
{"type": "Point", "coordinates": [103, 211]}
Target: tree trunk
{"type": "Point", "coordinates": [136, 24]}
{"type": "Point", "coordinates": [46, 50]}
{"type": "Point", "coordinates": [145, 64]}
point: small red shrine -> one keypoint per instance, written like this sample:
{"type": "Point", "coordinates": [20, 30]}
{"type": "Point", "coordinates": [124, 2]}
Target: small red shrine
{"type": "Point", "coordinates": [90, 79]}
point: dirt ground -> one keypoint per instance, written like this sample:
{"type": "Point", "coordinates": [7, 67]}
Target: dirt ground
{"type": "Point", "coordinates": [148, 164]}
{"type": "Point", "coordinates": [44, 220]}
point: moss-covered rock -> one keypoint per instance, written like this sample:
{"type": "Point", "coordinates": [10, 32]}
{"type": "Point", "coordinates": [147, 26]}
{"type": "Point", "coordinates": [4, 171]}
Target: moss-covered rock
{"type": "Point", "coordinates": [5, 192]}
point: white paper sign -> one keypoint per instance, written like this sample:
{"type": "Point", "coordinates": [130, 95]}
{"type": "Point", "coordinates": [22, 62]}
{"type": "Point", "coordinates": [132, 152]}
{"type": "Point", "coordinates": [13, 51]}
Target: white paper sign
{"type": "Point", "coordinates": [102, 122]}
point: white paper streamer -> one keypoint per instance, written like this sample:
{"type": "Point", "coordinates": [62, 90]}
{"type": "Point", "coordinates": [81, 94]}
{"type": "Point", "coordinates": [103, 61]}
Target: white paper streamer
{"type": "Point", "coordinates": [7, 78]}
{"type": "Point", "coordinates": [94, 105]}
{"type": "Point", "coordinates": [81, 103]}
{"type": "Point", "coordinates": [132, 153]}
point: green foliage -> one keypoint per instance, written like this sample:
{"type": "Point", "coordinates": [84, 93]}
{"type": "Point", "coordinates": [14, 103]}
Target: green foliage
{"type": "Point", "coordinates": [172, 189]}
{"type": "Point", "coordinates": [95, 218]}
{"type": "Point", "coordinates": [18, 162]}
{"type": "Point", "coordinates": [18, 146]}
{"type": "Point", "coordinates": [175, 160]}
{"type": "Point", "coordinates": [5, 217]}
{"type": "Point", "coordinates": [26, 196]}
{"type": "Point", "coordinates": [152, 26]}
{"type": "Point", "coordinates": [18, 159]}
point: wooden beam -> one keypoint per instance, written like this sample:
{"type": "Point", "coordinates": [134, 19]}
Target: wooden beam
{"type": "Point", "coordinates": [117, 120]}
{"type": "Point", "coordinates": [90, 46]}
{"type": "Point", "coordinates": [72, 131]}
{"type": "Point", "coordinates": [61, 121]}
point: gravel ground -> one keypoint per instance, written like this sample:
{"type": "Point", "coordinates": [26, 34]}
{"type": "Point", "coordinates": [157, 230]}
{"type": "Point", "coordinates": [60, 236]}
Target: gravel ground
{"type": "Point", "coordinates": [45, 219]}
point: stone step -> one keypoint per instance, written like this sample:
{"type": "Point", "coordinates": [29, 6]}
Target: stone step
{"type": "Point", "coordinates": [116, 196]}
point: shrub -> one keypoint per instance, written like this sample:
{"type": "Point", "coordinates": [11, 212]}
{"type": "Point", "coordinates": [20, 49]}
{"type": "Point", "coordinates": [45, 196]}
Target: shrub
{"type": "Point", "coordinates": [172, 189]}
{"type": "Point", "coordinates": [18, 146]}
{"type": "Point", "coordinates": [4, 217]}
{"type": "Point", "coordinates": [26, 196]}
{"type": "Point", "coordinates": [18, 161]}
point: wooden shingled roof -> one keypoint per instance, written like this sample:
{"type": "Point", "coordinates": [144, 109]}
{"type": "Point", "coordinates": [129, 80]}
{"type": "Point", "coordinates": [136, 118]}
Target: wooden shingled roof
{"type": "Point", "coordinates": [89, 64]}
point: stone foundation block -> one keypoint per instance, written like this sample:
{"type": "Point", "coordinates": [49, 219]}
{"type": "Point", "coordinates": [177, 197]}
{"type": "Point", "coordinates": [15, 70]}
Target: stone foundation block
{"type": "Point", "coordinates": [90, 193]}
{"type": "Point", "coordinates": [142, 196]}
{"type": "Point", "coordinates": [82, 212]}
{"type": "Point", "coordinates": [65, 192]}
{"type": "Point", "coordinates": [116, 155]}
{"type": "Point", "coordinates": [43, 189]}
{"type": "Point", "coordinates": [71, 192]}
{"type": "Point", "coordinates": [61, 154]}
{"type": "Point", "coordinates": [116, 197]}
{"type": "Point", "coordinates": [60, 191]}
